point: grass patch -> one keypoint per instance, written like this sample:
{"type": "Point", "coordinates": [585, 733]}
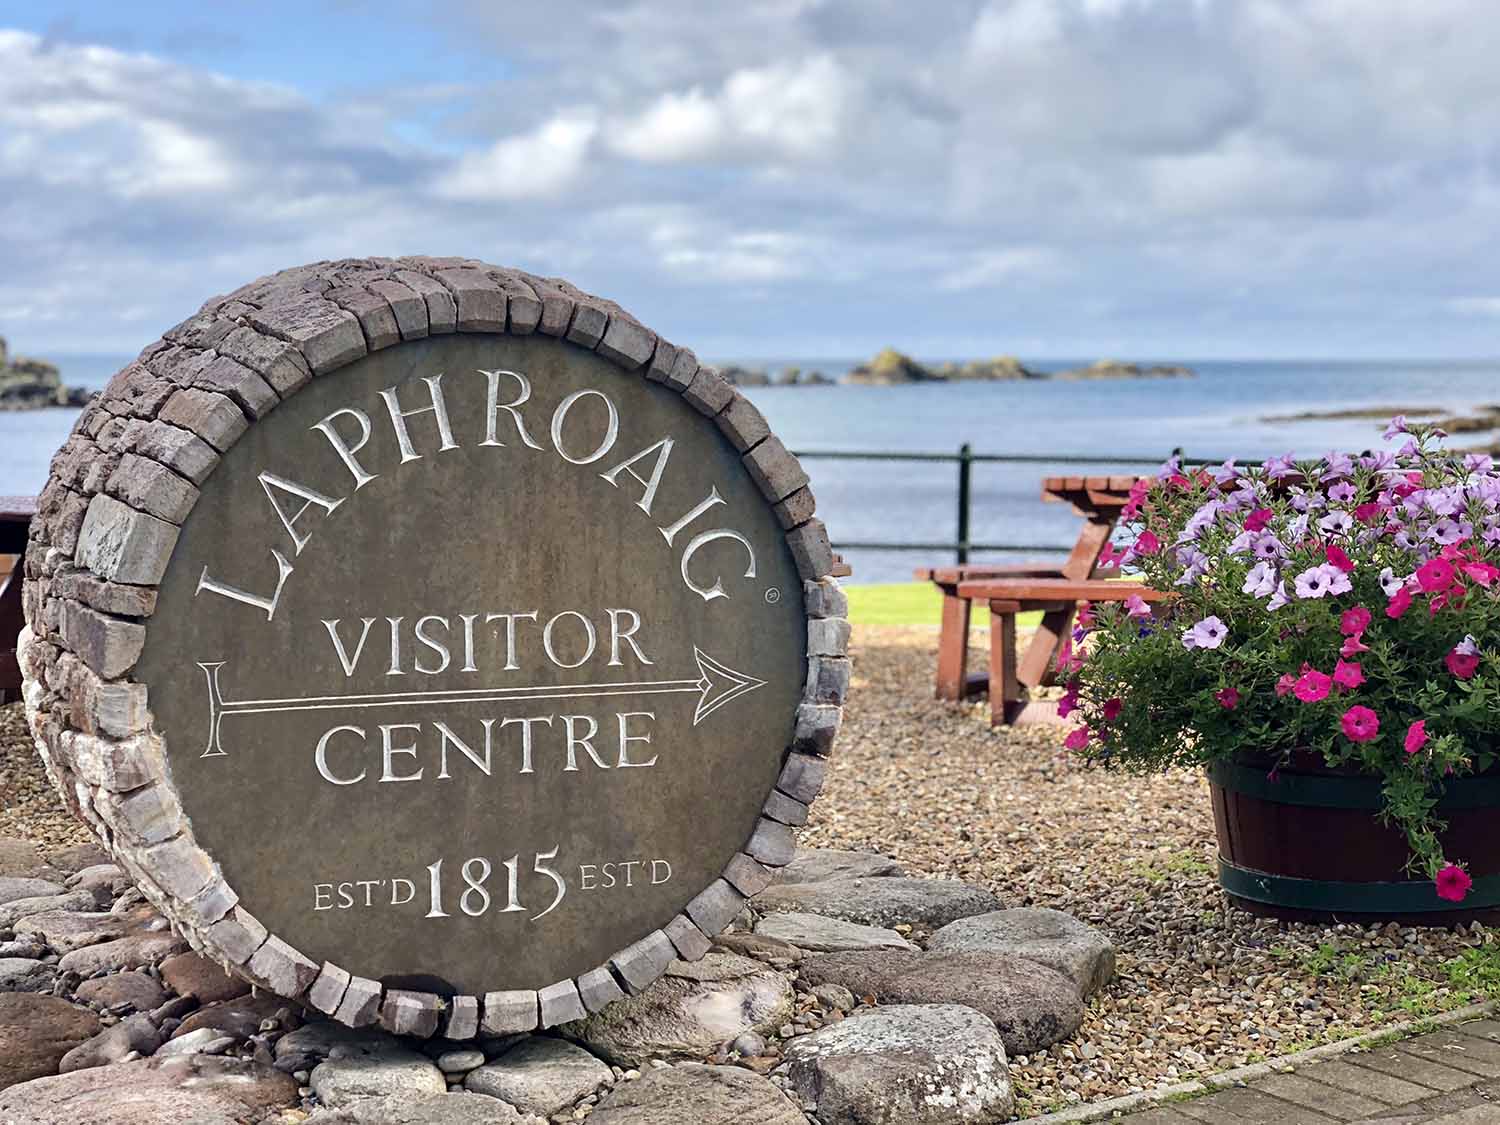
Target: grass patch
{"type": "Point", "coordinates": [907, 603]}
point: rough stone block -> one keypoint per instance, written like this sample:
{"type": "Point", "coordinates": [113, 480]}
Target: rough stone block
{"type": "Point", "coordinates": [639, 965]}
{"type": "Point", "coordinates": [817, 725]}
{"type": "Point", "coordinates": [360, 1006]}
{"type": "Point", "coordinates": [715, 907]}
{"type": "Point", "coordinates": [461, 1020]}
{"type": "Point", "coordinates": [523, 308]}
{"type": "Point", "coordinates": [182, 869]}
{"type": "Point", "coordinates": [775, 471]}
{"type": "Point", "coordinates": [285, 971]}
{"type": "Point", "coordinates": [327, 992]}
{"type": "Point", "coordinates": [780, 807]}
{"type": "Point", "coordinates": [204, 329]}
{"type": "Point", "coordinates": [123, 545]}
{"type": "Point", "coordinates": [116, 765]}
{"type": "Point", "coordinates": [180, 450]}
{"type": "Point", "coordinates": [214, 418]}
{"type": "Point", "coordinates": [376, 319]}
{"type": "Point", "coordinates": [748, 876]}
{"type": "Point", "coordinates": [233, 379]}
{"type": "Point", "coordinates": [827, 636]}
{"type": "Point", "coordinates": [690, 942]}
{"type": "Point", "coordinates": [684, 369]}
{"type": "Point", "coordinates": [796, 509]}
{"type": "Point", "coordinates": [152, 488]}
{"type": "Point", "coordinates": [327, 336]}
{"type": "Point", "coordinates": [827, 680]}
{"type": "Point", "coordinates": [117, 598]}
{"type": "Point", "coordinates": [588, 324]}
{"type": "Point", "coordinates": [598, 987]}
{"type": "Point", "coordinates": [407, 305]}
{"type": "Point", "coordinates": [662, 360]}
{"type": "Point", "coordinates": [143, 816]}
{"type": "Point", "coordinates": [811, 550]}
{"type": "Point", "coordinates": [108, 645]}
{"type": "Point", "coordinates": [772, 843]}
{"type": "Point", "coordinates": [276, 361]}
{"type": "Point", "coordinates": [824, 598]}
{"type": "Point", "coordinates": [404, 1012]}
{"type": "Point", "coordinates": [557, 305]}
{"type": "Point", "coordinates": [238, 935]}
{"type": "Point", "coordinates": [627, 343]}
{"type": "Point", "coordinates": [442, 310]}
{"type": "Point", "coordinates": [509, 1013]}
{"type": "Point", "coordinates": [709, 392]}
{"type": "Point", "coordinates": [481, 304]}
{"type": "Point", "coordinates": [560, 1003]}
{"type": "Point", "coordinates": [742, 423]}
{"type": "Point", "coordinates": [210, 904]}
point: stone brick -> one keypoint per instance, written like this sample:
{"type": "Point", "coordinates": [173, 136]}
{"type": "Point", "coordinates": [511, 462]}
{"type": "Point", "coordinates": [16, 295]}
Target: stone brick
{"type": "Point", "coordinates": [743, 423]}
{"type": "Point", "coordinates": [816, 727]}
{"type": "Point", "coordinates": [509, 1013]}
{"type": "Point", "coordinates": [774, 470]}
{"type": "Point", "coordinates": [121, 544]}
{"type": "Point", "coordinates": [639, 965]}
{"type": "Point", "coordinates": [95, 475]}
{"type": "Point", "coordinates": [481, 304]}
{"type": "Point", "coordinates": [144, 816]}
{"type": "Point", "coordinates": [95, 706]}
{"type": "Point", "coordinates": [627, 343]}
{"type": "Point", "coordinates": [796, 509]}
{"type": "Point", "coordinates": [827, 680]}
{"type": "Point", "coordinates": [234, 380]}
{"type": "Point", "coordinates": [182, 869]}
{"type": "Point", "coordinates": [442, 311]}
{"type": "Point", "coordinates": [588, 325]}
{"type": "Point", "coordinates": [560, 1003]}
{"type": "Point", "coordinates": [67, 523]}
{"type": "Point", "coordinates": [376, 319]}
{"type": "Point", "coordinates": [827, 636]}
{"type": "Point", "coordinates": [108, 645]}
{"type": "Point", "coordinates": [404, 1012]}
{"type": "Point", "coordinates": [715, 907]}
{"type": "Point", "coordinates": [276, 361]}
{"type": "Point", "coordinates": [407, 305]}
{"type": "Point", "coordinates": [137, 392]}
{"type": "Point", "coordinates": [214, 418]}
{"type": "Point", "coordinates": [118, 598]}
{"type": "Point", "coordinates": [360, 1006]}
{"type": "Point", "coordinates": [709, 392]}
{"type": "Point", "coordinates": [152, 488]}
{"type": "Point", "coordinates": [209, 905]}
{"type": "Point", "coordinates": [285, 971]}
{"type": "Point", "coordinates": [204, 329]}
{"type": "Point", "coordinates": [116, 765]}
{"type": "Point", "coordinates": [238, 935]}
{"type": "Point", "coordinates": [780, 807]}
{"type": "Point", "coordinates": [747, 876]}
{"type": "Point", "coordinates": [180, 450]}
{"type": "Point", "coordinates": [327, 992]}
{"type": "Point", "coordinates": [662, 360]}
{"type": "Point", "coordinates": [771, 843]}
{"type": "Point", "coordinates": [598, 987]}
{"type": "Point", "coordinates": [802, 777]}
{"type": "Point", "coordinates": [523, 308]}
{"type": "Point", "coordinates": [687, 938]}
{"type": "Point", "coordinates": [811, 550]}
{"type": "Point", "coordinates": [461, 1020]}
{"type": "Point", "coordinates": [557, 305]}
{"type": "Point", "coordinates": [684, 369]}
{"type": "Point", "coordinates": [824, 598]}
{"type": "Point", "coordinates": [327, 336]}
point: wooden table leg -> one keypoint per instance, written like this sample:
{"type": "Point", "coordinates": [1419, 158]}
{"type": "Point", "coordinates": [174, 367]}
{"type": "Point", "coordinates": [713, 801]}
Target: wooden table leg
{"type": "Point", "coordinates": [953, 646]}
{"type": "Point", "coordinates": [11, 621]}
{"type": "Point", "coordinates": [1041, 654]}
{"type": "Point", "coordinates": [1005, 690]}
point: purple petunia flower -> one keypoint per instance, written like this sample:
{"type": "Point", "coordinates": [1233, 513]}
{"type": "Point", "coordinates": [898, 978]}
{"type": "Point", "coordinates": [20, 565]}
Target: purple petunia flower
{"type": "Point", "coordinates": [1260, 582]}
{"type": "Point", "coordinates": [1339, 465]}
{"type": "Point", "coordinates": [1395, 427]}
{"type": "Point", "coordinates": [1208, 633]}
{"type": "Point", "coordinates": [1267, 546]}
{"type": "Point", "coordinates": [1342, 492]}
{"type": "Point", "coordinates": [1278, 468]}
{"type": "Point", "coordinates": [1337, 521]}
{"type": "Point", "coordinates": [1279, 598]}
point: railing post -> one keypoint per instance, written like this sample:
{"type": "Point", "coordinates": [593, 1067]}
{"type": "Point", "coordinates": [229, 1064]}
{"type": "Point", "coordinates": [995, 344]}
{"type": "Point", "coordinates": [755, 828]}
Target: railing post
{"type": "Point", "coordinates": [965, 463]}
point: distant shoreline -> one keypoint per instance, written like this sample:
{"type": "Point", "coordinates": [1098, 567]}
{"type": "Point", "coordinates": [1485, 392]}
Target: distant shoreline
{"type": "Point", "coordinates": [891, 368]}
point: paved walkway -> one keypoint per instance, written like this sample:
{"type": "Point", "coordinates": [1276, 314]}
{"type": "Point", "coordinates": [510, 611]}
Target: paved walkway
{"type": "Point", "coordinates": [1448, 1077]}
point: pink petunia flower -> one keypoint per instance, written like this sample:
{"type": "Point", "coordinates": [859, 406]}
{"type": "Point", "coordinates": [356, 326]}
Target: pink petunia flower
{"type": "Point", "coordinates": [1338, 559]}
{"type": "Point", "coordinates": [1228, 698]}
{"type": "Point", "coordinates": [1360, 724]}
{"type": "Point", "coordinates": [1435, 576]}
{"type": "Point", "coordinates": [1399, 604]}
{"type": "Point", "coordinates": [1481, 572]}
{"type": "Point", "coordinates": [1312, 686]}
{"type": "Point", "coordinates": [1453, 883]}
{"type": "Point", "coordinates": [1416, 736]}
{"type": "Point", "coordinates": [1136, 607]}
{"type": "Point", "coordinates": [1353, 622]}
{"type": "Point", "coordinates": [1369, 514]}
{"type": "Point", "coordinates": [1077, 739]}
{"type": "Point", "coordinates": [1348, 675]}
{"type": "Point", "coordinates": [1353, 646]}
{"type": "Point", "coordinates": [1147, 544]}
{"type": "Point", "coordinates": [1462, 664]}
{"type": "Point", "coordinates": [1258, 519]}
{"type": "Point", "coordinates": [1112, 708]}
{"type": "Point", "coordinates": [1286, 684]}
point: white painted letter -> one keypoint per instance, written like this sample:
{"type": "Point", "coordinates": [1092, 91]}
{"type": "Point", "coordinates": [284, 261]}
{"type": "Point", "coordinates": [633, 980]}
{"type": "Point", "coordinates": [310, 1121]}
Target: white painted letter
{"type": "Point", "coordinates": [283, 568]}
{"type": "Point", "coordinates": [717, 589]}
{"type": "Point", "coordinates": [346, 451]}
{"type": "Point", "coordinates": [439, 408]}
{"type": "Point", "coordinates": [649, 496]}
{"type": "Point", "coordinates": [626, 738]}
{"type": "Point", "coordinates": [436, 645]}
{"type": "Point", "coordinates": [670, 533]}
{"type": "Point", "coordinates": [512, 408]}
{"type": "Point", "coordinates": [448, 736]}
{"type": "Point", "coordinates": [611, 432]}
{"type": "Point", "coordinates": [349, 662]}
{"type": "Point", "coordinates": [526, 737]}
{"type": "Point", "coordinates": [510, 634]}
{"type": "Point", "coordinates": [588, 627]}
{"type": "Point", "coordinates": [388, 750]}
{"type": "Point", "coordinates": [586, 741]}
{"type": "Point", "coordinates": [321, 757]}
{"type": "Point", "coordinates": [616, 635]}
{"type": "Point", "coordinates": [309, 497]}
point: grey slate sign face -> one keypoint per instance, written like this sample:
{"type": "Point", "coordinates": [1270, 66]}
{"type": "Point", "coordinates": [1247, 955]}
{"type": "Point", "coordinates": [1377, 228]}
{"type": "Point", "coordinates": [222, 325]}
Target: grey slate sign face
{"type": "Point", "coordinates": [475, 662]}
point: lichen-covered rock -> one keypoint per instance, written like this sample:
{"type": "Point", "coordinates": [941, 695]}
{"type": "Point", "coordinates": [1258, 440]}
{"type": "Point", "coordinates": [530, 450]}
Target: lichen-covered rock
{"type": "Point", "coordinates": [374, 1070]}
{"type": "Point", "coordinates": [192, 1090]}
{"type": "Point", "coordinates": [703, 1095]}
{"type": "Point", "coordinates": [457, 1108]}
{"type": "Point", "coordinates": [540, 1075]}
{"type": "Point", "coordinates": [819, 865]}
{"type": "Point", "coordinates": [817, 934]}
{"type": "Point", "coordinates": [917, 1064]}
{"type": "Point", "coordinates": [1048, 937]}
{"type": "Point", "coordinates": [886, 901]}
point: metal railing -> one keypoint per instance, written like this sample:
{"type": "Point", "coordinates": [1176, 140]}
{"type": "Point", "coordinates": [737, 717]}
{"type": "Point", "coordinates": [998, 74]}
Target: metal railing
{"type": "Point", "coordinates": [966, 459]}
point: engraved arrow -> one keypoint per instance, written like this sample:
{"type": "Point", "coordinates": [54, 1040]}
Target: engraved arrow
{"type": "Point", "coordinates": [715, 686]}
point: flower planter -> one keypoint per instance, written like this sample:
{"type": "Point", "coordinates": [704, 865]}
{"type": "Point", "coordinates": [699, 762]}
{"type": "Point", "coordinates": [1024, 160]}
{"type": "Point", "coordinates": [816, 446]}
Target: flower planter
{"type": "Point", "coordinates": [1306, 844]}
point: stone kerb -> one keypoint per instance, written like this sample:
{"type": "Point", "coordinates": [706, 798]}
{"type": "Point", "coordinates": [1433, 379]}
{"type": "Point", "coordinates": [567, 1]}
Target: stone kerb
{"type": "Point", "coordinates": [124, 482]}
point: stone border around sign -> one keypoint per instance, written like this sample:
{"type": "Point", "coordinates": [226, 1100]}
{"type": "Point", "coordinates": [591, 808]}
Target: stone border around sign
{"type": "Point", "coordinates": [129, 474]}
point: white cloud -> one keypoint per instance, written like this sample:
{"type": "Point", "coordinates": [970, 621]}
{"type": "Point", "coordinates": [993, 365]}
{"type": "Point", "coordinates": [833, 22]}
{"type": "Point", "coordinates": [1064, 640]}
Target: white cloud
{"type": "Point", "coordinates": [1476, 306]}
{"type": "Point", "coordinates": [989, 268]}
{"type": "Point", "coordinates": [546, 161]}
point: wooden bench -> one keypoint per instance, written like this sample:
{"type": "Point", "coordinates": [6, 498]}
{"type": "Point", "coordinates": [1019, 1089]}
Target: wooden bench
{"type": "Point", "coordinates": [1007, 597]}
{"type": "Point", "coordinates": [16, 513]}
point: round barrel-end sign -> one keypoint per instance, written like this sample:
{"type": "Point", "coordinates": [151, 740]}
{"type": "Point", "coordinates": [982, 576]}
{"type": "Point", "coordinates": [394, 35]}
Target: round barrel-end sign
{"type": "Point", "coordinates": [434, 643]}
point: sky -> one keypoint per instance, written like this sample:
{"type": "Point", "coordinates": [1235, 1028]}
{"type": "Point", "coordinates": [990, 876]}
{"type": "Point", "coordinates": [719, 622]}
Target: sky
{"type": "Point", "coordinates": [1147, 179]}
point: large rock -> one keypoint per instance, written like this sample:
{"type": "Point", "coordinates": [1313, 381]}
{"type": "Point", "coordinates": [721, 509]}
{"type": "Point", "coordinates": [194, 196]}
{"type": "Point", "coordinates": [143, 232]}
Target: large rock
{"type": "Point", "coordinates": [311, 1043]}
{"type": "Point", "coordinates": [689, 1012]}
{"type": "Point", "coordinates": [192, 974]}
{"type": "Point", "coordinates": [817, 934]}
{"type": "Point", "coordinates": [77, 857]}
{"type": "Point", "coordinates": [36, 1032]}
{"type": "Point", "coordinates": [13, 911]}
{"type": "Point", "coordinates": [196, 1090]}
{"type": "Point", "coordinates": [917, 1064]}
{"type": "Point", "coordinates": [241, 1018]}
{"type": "Point", "coordinates": [891, 368]}
{"type": "Point", "coordinates": [67, 930]}
{"type": "Point", "coordinates": [141, 991]}
{"type": "Point", "coordinates": [540, 1075]}
{"type": "Point", "coordinates": [1049, 937]}
{"type": "Point", "coordinates": [885, 901]}
{"type": "Point", "coordinates": [135, 1033]}
{"type": "Point", "coordinates": [374, 1070]}
{"type": "Point", "coordinates": [26, 974]}
{"type": "Point", "coordinates": [134, 951]}
{"type": "Point", "coordinates": [13, 887]}
{"type": "Point", "coordinates": [819, 865]}
{"type": "Point", "coordinates": [702, 1095]}
{"type": "Point", "coordinates": [1032, 1005]}
{"type": "Point", "coordinates": [428, 1109]}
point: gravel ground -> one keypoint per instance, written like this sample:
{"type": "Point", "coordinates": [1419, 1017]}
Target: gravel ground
{"type": "Point", "coordinates": [1201, 988]}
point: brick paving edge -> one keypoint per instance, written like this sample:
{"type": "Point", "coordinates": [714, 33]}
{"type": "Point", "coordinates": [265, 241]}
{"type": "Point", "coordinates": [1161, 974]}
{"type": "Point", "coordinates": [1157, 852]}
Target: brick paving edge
{"type": "Point", "coordinates": [1240, 1076]}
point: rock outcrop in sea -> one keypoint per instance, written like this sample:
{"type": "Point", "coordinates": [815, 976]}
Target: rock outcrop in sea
{"type": "Point", "coordinates": [892, 368]}
{"type": "Point", "coordinates": [31, 384]}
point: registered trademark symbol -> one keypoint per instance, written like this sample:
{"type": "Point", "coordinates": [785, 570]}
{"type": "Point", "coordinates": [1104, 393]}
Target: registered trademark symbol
{"type": "Point", "coordinates": [773, 595]}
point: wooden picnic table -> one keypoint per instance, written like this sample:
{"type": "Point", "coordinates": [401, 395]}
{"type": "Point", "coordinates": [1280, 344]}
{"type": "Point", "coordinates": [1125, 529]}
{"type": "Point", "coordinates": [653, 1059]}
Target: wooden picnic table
{"type": "Point", "coordinates": [16, 513]}
{"type": "Point", "coordinates": [1099, 500]}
